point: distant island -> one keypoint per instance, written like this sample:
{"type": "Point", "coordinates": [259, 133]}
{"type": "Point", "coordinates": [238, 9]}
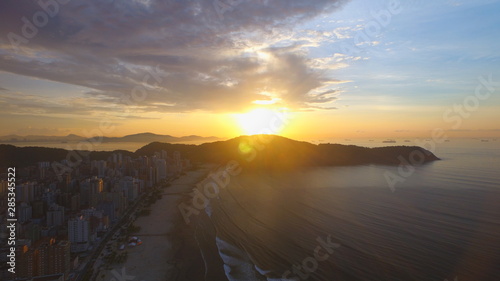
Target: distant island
{"type": "Point", "coordinates": [269, 152]}
{"type": "Point", "coordinates": [142, 137]}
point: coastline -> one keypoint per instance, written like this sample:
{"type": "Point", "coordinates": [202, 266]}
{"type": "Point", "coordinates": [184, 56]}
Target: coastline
{"type": "Point", "coordinates": [171, 249]}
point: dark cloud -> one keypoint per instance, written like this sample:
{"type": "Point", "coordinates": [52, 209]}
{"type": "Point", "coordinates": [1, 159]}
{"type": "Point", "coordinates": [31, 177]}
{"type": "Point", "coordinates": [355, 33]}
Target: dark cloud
{"type": "Point", "coordinates": [111, 46]}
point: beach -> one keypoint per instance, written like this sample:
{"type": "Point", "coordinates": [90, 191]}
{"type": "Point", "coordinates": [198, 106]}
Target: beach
{"type": "Point", "coordinates": [169, 249]}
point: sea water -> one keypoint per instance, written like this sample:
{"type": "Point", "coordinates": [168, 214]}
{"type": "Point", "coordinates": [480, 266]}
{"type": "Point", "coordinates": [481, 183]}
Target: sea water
{"type": "Point", "coordinates": [441, 221]}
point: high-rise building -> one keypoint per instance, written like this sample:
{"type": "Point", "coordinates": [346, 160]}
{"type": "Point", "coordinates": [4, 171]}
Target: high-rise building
{"type": "Point", "coordinates": [79, 234]}
{"type": "Point", "coordinates": [89, 187]}
{"type": "Point", "coordinates": [152, 176]}
{"type": "Point", "coordinates": [47, 257]}
{"type": "Point", "coordinates": [175, 166]}
{"type": "Point", "coordinates": [33, 232]}
{"type": "Point", "coordinates": [55, 215]}
{"type": "Point", "coordinates": [162, 154]}
{"type": "Point", "coordinates": [131, 187]}
{"type": "Point", "coordinates": [54, 258]}
{"type": "Point", "coordinates": [25, 192]}
{"type": "Point", "coordinates": [25, 212]}
{"type": "Point", "coordinates": [117, 158]}
{"type": "Point", "coordinates": [161, 169]}
{"type": "Point", "coordinates": [62, 258]}
{"type": "Point", "coordinates": [49, 197]}
{"type": "Point", "coordinates": [25, 261]}
{"type": "Point", "coordinates": [91, 212]}
{"type": "Point", "coordinates": [98, 220]}
{"type": "Point", "coordinates": [43, 168]}
{"type": "Point", "coordinates": [119, 201]}
{"type": "Point", "coordinates": [100, 166]}
{"type": "Point", "coordinates": [96, 185]}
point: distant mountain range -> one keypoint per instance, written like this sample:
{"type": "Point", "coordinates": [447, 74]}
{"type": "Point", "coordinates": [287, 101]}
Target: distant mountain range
{"type": "Point", "coordinates": [255, 152]}
{"type": "Point", "coordinates": [142, 137]}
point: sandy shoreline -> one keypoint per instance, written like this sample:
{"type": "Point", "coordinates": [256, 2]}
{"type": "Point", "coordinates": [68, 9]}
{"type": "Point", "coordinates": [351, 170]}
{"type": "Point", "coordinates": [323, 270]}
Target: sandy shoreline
{"type": "Point", "coordinates": [169, 247]}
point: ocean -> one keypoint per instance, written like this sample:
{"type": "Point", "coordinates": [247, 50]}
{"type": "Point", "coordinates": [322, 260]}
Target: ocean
{"type": "Point", "coordinates": [440, 221]}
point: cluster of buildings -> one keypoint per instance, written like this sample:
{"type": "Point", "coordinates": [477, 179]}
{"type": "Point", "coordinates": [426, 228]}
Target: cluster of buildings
{"type": "Point", "coordinates": [48, 257]}
{"type": "Point", "coordinates": [58, 222]}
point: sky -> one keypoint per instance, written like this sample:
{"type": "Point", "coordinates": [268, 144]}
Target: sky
{"type": "Point", "coordinates": [323, 69]}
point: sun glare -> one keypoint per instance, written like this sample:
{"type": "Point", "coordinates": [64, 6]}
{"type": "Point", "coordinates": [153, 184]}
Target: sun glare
{"type": "Point", "coordinates": [262, 121]}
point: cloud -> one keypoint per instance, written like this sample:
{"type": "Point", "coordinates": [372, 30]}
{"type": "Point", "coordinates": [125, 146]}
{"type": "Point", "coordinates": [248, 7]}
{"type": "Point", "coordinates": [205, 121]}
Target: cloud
{"type": "Point", "coordinates": [87, 108]}
{"type": "Point", "coordinates": [207, 63]}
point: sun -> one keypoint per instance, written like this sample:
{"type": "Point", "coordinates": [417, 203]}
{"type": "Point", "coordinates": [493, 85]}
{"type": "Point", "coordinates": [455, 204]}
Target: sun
{"type": "Point", "coordinates": [262, 121]}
